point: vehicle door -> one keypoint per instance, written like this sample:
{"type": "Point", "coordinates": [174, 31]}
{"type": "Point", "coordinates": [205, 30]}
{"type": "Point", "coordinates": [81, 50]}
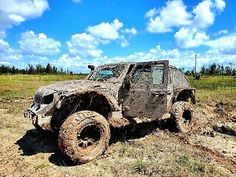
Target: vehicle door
{"type": "Point", "coordinates": [146, 95]}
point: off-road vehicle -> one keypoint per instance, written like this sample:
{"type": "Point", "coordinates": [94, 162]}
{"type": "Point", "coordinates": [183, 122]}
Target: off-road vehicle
{"type": "Point", "coordinates": [112, 95]}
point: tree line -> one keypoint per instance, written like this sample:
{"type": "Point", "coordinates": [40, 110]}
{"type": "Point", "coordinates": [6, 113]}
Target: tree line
{"type": "Point", "coordinates": [31, 69]}
{"type": "Point", "coordinates": [213, 70]}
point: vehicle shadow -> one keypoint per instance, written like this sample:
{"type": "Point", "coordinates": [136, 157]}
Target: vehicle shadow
{"type": "Point", "coordinates": [34, 142]}
{"type": "Point", "coordinates": [137, 131]}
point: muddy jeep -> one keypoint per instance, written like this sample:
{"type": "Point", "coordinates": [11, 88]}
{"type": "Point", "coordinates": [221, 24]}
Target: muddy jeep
{"type": "Point", "coordinates": [82, 112]}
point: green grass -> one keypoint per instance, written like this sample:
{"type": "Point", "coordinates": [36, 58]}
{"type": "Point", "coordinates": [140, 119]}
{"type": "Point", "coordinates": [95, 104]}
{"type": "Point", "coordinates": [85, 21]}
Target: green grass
{"type": "Point", "coordinates": [23, 86]}
{"type": "Point", "coordinates": [221, 88]}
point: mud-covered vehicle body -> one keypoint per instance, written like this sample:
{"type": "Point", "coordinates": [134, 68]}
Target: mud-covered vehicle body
{"type": "Point", "coordinates": [113, 95]}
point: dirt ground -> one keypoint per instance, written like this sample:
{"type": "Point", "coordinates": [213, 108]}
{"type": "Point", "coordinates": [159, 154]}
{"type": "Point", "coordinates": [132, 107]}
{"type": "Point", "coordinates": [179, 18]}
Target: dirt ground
{"type": "Point", "coordinates": [154, 152]}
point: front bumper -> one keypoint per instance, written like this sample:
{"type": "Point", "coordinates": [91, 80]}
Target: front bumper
{"type": "Point", "coordinates": [44, 122]}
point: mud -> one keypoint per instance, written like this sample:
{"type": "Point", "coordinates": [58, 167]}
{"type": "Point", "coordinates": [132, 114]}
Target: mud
{"type": "Point", "coordinates": [228, 128]}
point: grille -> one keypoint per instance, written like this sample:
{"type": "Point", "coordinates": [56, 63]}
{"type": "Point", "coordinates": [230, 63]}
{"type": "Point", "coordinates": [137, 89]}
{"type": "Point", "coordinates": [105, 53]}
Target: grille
{"type": "Point", "coordinates": [38, 99]}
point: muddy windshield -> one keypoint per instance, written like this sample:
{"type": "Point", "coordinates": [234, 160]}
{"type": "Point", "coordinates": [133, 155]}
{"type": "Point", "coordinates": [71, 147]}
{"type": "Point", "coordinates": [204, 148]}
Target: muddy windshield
{"type": "Point", "coordinates": [107, 73]}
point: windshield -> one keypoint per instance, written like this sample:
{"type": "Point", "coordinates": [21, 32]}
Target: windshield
{"type": "Point", "coordinates": [107, 73]}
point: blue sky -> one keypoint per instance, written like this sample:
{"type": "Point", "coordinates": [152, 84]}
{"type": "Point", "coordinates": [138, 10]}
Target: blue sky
{"type": "Point", "coordinates": [74, 33]}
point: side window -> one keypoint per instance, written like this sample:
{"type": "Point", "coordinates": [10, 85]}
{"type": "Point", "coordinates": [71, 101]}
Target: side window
{"type": "Point", "coordinates": [142, 75]}
{"type": "Point", "coordinates": [158, 75]}
{"type": "Point", "coordinates": [148, 75]}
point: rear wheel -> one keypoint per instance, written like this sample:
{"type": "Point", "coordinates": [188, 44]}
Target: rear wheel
{"type": "Point", "coordinates": [84, 136]}
{"type": "Point", "coordinates": [183, 114]}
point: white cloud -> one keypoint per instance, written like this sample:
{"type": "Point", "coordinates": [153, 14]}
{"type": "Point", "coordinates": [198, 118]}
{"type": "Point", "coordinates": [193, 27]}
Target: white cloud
{"type": "Point", "coordinates": [177, 58]}
{"type": "Point", "coordinates": [203, 15]}
{"type": "Point", "coordinates": [131, 31]}
{"type": "Point", "coordinates": [224, 31]}
{"type": "Point", "coordinates": [151, 13]}
{"type": "Point", "coordinates": [4, 46]}
{"type": "Point", "coordinates": [76, 63]}
{"type": "Point", "coordinates": [38, 44]}
{"type": "Point", "coordinates": [191, 26]}
{"type": "Point", "coordinates": [8, 54]}
{"type": "Point", "coordinates": [83, 48]}
{"type": "Point", "coordinates": [124, 41]}
{"type": "Point", "coordinates": [187, 38]}
{"type": "Point", "coordinates": [14, 12]}
{"type": "Point", "coordinates": [225, 45]}
{"type": "Point", "coordinates": [67, 61]}
{"type": "Point", "coordinates": [105, 30]}
{"type": "Point", "coordinates": [194, 34]}
{"type": "Point", "coordinates": [174, 14]}
{"type": "Point", "coordinates": [2, 34]}
{"type": "Point", "coordinates": [126, 35]}
{"type": "Point", "coordinates": [84, 45]}
{"type": "Point", "coordinates": [220, 4]}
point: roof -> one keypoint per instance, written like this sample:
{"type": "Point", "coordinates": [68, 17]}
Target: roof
{"type": "Point", "coordinates": [142, 62]}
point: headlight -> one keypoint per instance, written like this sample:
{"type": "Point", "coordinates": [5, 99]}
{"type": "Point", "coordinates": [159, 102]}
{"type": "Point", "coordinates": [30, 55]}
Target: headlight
{"type": "Point", "coordinates": [48, 99]}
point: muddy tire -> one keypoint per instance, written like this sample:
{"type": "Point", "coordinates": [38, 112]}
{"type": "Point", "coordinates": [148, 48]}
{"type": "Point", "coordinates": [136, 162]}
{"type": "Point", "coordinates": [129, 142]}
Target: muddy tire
{"type": "Point", "coordinates": [183, 114]}
{"type": "Point", "coordinates": [84, 136]}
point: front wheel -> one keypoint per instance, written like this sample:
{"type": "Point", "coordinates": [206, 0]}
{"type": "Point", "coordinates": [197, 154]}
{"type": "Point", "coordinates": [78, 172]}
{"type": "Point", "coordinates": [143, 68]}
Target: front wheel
{"type": "Point", "coordinates": [84, 136]}
{"type": "Point", "coordinates": [182, 112]}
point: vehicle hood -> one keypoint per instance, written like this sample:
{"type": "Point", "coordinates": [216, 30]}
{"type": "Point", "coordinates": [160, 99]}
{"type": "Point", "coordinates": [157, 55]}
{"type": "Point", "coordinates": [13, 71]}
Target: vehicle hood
{"type": "Point", "coordinates": [76, 86]}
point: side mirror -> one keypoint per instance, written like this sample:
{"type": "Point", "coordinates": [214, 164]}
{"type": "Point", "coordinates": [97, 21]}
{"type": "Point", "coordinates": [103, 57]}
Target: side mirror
{"type": "Point", "coordinates": [91, 67]}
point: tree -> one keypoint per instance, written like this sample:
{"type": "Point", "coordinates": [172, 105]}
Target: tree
{"type": "Point", "coordinates": [54, 69]}
{"type": "Point", "coordinates": [228, 70]}
{"type": "Point", "coordinates": [13, 70]}
{"type": "Point", "coordinates": [48, 68]}
{"type": "Point", "coordinates": [39, 69]}
{"type": "Point", "coordinates": [222, 70]}
{"type": "Point", "coordinates": [212, 69]}
{"type": "Point", "coordinates": [31, 69]}
{"type": "Point", "coordinates": [203, 70]}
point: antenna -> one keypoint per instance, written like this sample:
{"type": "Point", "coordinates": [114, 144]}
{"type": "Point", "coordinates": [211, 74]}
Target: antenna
{"type": "Point", "coordinates": [196, 75]}
{"type": "Point", "coordinates": [195, 64]}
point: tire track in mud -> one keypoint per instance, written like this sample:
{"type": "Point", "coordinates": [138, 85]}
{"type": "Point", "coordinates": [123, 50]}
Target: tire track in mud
{"type": "Point", "coordinates": [227, 162]}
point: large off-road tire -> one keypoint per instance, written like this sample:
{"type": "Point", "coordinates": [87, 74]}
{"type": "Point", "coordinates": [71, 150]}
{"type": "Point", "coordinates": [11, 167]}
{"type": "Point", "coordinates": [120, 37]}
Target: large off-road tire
{"type": "Point", "coordinates": [183, 114]}
{"type": "Point", "coordinates": [84, 136]}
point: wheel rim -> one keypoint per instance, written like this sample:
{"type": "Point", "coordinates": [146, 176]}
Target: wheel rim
{"type": "Point", "coordinates": [186, 119]}
{"type": "Point", "coordinates": [88, 137]}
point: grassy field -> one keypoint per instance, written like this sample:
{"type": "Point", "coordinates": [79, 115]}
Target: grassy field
{"type": "Point", "coordinates": [24, 86]}
{"type": "Point", "coordinates": [222, 88]}
{"type": "Point", "coordinates": [25, 152]}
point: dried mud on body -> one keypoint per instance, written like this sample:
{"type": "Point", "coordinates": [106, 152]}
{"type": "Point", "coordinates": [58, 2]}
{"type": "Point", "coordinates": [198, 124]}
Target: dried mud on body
{"type": "Point", "coordinates": [154, 152]}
